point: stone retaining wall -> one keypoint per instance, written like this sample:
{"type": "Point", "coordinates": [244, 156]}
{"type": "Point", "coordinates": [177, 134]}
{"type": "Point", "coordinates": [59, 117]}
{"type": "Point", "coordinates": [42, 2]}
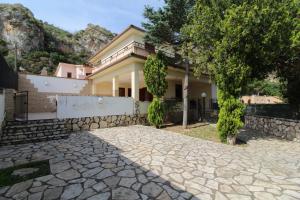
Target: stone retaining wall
{"type": "Point", "coordinates": [280, 127]}
{"type": "Point", "coordinates": [89, 123]}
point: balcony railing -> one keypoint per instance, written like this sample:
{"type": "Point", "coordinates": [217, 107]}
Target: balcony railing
{"type": "Point", "coordinates": [134, 47]}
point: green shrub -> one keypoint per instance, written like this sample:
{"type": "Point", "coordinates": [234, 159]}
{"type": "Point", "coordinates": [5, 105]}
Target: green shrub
{"type": "Point", "coordinates": [156, 112]}
{"type": "Point", "coordinates": [229, 122]}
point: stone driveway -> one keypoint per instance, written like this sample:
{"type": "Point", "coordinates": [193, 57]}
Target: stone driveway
{"type": "Point", "coordinates": [140, 162]}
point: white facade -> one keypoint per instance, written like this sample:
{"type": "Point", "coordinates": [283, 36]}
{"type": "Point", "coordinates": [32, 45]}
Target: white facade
{"type": "Point", "coordinates": [89, 106]}
{"type": "Point", "coordinates": [57, 85]}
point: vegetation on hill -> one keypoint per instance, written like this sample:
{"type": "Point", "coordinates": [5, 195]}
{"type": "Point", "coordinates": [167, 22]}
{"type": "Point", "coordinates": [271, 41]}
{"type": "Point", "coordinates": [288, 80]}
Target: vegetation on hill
{"type": "Point", "coordinates": [40, 44]}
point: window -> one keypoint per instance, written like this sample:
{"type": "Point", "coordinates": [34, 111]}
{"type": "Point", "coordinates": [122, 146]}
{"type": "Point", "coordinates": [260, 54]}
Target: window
{"type": "Point", "coordinates": [178, 91]}
{"type": "Point", "coordinates": [129, 92]}
{"type": "Point", "coordinates": [69, 75]}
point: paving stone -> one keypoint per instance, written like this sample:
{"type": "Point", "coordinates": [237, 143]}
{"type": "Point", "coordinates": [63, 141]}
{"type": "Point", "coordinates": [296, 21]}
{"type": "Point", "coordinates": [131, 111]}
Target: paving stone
{"type": "Point", "coordinates": [24, 171]}
{"type": "Point", "coordinates": [53, 193]}
{"type": "Point", "coordinates": [68, 175]}
{"type": "Point", "coordinates": [126, 173]}
{"type": "Point", "coordinates": [99, 186]}
{"type": "Point", "coordinates": [59, 167]}
{"type": "Point", "coordinates": [89, 183]}
{"type": "Point", "coordinates": [72, 191]}
{"type": "Point", "coordinates": [45, 178]}
{"type": "Point", "coordinates": [127, 182]}
{"type": "Point", "coordinates": [151, 189]}
{"type": "Point", "coordinates": [92, 172]}
{"type": "Point", "coordinates": [244, 180]}
{"type": "Point", "coordinates": [38, 189]}
{"type": "Point", "coordinates": [87, 193]}
{"type": "Point", "coordinates": [123, 193]}
{"type": "Point", "coordinates": [112, 181]}
{"type": "Point", "coordinates": [35, 196]}
{"type": "Point", "coordinates": [104, 174]}
{"type": "Point", "coordinates": [18, 188]}
{"type": "Point", "coordinates": [56, 182]}
{"type": "Point", "coordinates": [103, 196]}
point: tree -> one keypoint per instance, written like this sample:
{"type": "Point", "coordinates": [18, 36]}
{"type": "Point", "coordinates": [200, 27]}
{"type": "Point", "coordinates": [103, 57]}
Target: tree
{"type": "Point", "coordinates": [263, 87]}
{"type": "Point", "coordinates": [155, 72]}
{"type": "Point", "coordinates": [163, 30]}
{"type": "Point", "coordinates": [237, 41]}
{"type": "Point", "coordinates": [3, 48]}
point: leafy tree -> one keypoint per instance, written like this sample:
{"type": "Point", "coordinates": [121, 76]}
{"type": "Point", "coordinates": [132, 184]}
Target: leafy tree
{"type": "Point", "coordinates": [263, 87]}
{"type": "Point", "coordinates": [156, 112]}
{"type": "Point", "coordinates": [163, 30]}
{"type": "Point", "coordinates": [3, 48]}
{"type": "Point", "coordinates": [155, 72]}
{"type": "Point", "coordinates": [237, 41]}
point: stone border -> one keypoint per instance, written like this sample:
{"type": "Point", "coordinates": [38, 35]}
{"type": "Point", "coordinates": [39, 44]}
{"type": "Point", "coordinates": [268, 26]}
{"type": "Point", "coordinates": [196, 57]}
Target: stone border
{"type": "Point", "coordinates": [285, 128]}
{"type": "Point", "coordinates": [90, 123]}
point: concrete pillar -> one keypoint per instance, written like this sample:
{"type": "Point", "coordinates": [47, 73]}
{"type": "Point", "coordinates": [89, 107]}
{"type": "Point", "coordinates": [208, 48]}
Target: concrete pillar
{"type": "Point", "coordinates": [135, 80]}
{"type": "Point", "coordinates": [115, 86]}
{"type": "Point", "coordinates": [213, 91]}
{"type": "Point", "coordinates": [93, 87]}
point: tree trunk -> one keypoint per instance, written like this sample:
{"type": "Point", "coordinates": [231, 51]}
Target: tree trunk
{"type": "Point", "coordinates": [185, 94]}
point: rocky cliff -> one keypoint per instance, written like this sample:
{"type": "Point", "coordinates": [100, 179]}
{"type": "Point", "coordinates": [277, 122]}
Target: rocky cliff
{"type": "Point", "coordinates": [40, 44]}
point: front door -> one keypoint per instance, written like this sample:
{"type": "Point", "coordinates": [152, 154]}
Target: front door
{"type": "Point", "coordinates": [121, 92]}
{"type": "Point", "coordinates": [21, 106]}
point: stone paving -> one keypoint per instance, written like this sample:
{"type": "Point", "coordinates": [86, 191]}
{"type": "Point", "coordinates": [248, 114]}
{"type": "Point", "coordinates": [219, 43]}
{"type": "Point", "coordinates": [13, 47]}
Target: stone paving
{"type": "Point", "coordinates": [138, 162]}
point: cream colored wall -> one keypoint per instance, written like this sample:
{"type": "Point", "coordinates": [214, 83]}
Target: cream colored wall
{"type": "Point", "coordinates": [63, 71]}
{"type": "Point", "coordinates": [103, 89]}
{"type": "Point", "coordinates": [125, 42]}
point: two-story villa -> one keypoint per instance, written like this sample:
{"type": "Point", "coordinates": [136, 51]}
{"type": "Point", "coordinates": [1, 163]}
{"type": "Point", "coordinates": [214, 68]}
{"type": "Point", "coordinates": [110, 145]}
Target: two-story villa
{"type": "Point", "coordinates": [118, 70]}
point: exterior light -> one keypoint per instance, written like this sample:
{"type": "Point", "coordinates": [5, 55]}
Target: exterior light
{"type": "Point", "coordinates": [203, 95]}
{"type": "Point", "coordinates": [46, 83]}
{"type": "Point", "coordinates": [100, 99]}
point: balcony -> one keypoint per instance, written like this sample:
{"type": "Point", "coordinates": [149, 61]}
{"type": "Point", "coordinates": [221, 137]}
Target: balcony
{"type": "Point", "coordinates": [136, 48]}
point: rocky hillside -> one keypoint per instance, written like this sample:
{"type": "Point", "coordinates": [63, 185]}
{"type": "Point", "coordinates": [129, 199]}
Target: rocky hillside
{"type": "Point", "coordinates": [40, 44]}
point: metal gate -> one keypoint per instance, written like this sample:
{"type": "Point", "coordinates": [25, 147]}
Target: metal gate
{"type": "Point", "coordinates": [21, 106]}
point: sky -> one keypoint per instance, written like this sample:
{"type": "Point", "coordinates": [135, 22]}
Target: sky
{"type": "Point", "coordinates": [74, 15]}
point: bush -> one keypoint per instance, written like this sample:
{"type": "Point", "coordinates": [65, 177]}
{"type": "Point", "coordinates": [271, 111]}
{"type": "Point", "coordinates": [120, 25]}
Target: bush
{"type": "Point", "coordinates": [230, 116]}
{"type": "Point", "coordinates": [156, 112]}
{"type": "Point", "coordinates": [155, 72]}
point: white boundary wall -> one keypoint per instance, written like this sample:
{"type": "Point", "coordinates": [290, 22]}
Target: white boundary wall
{"type": "Point", "coordinates": [2, 107]}
{"type": "Point", "coordinates": [89, 106]}
{"type": "Point", "coordinates": [57, 85]}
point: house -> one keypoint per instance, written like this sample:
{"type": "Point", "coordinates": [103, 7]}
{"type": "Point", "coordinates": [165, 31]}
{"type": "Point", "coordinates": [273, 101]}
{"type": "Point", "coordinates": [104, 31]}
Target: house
{"type": "Point", "coordinates": [118, 70]}
{"type": "Point", "coordinates": [67, 70]}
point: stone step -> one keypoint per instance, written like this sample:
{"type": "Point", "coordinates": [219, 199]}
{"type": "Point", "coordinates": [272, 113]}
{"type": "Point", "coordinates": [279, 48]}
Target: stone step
{"type": "Point", "coordinates": [31, 128]}
{"type": "Point", "coordinates": [34, 139]}
{"type": "Point", "coordinates": [33, 124]}
{"type": "Point", "coordinates": [34, 121]}
{"type": "Point", "coordinates": [27, 133]}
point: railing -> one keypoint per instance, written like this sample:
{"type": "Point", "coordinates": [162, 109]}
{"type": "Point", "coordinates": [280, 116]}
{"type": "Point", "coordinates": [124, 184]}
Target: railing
{"type": "Point", "coordinates": [134, 47]}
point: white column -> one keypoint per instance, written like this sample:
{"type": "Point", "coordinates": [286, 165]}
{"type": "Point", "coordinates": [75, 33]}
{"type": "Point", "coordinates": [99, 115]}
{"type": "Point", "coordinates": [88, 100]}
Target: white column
{"type": "Point", "coordinates": [135, 79]}
{"type": "Point", "coordinates": [93, 87]}
{"type": "Point", "coordinates": [213, 91]}
{"type": "Point", "coordinates": [115, 86]}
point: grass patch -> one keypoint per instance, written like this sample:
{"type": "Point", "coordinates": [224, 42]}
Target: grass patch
{"type": "Point", "coordinates": [6, 177]}
{"type": "Point", "coordinates": [199, 130]}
